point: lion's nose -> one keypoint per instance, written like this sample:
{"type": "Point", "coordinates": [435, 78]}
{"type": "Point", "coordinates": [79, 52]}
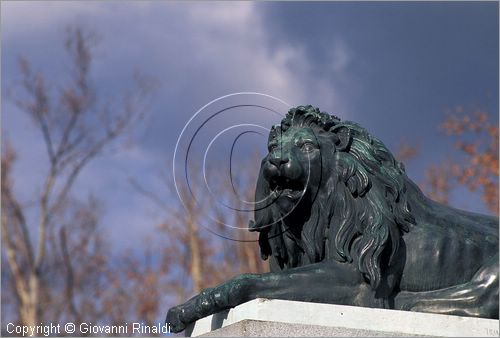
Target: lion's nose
{"type": "Point", "coordinates": [278, 161]}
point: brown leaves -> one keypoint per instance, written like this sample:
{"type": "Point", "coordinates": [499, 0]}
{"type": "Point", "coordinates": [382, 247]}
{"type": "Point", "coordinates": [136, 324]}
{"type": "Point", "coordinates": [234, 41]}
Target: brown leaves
{"type": "Point", "coordinates": [477, 139]}
{"type": "Point", "coordinates": [460, 123]}
{"type": "Point", "coordinates": [437, 184]}
{"type": "Point", "coordinates": [479, 143]}
{"type": "Point", "coordinates": [406, 152]}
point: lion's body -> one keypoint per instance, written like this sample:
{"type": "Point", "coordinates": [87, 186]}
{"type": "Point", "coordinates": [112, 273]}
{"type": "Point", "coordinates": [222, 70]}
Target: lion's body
{"type": "Point", "coordinates": [446, 246]}
{"type": "Point", "coordinates": [341, 223]}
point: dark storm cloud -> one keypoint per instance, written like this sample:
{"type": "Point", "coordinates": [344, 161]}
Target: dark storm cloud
{"type": "Point", "coordinates": [412, 59]}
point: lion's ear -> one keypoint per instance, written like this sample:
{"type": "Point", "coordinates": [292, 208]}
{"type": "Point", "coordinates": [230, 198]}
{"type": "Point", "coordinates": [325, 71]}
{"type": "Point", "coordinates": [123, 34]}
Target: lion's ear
{"type": "Point", "coordinates": [343, 137]}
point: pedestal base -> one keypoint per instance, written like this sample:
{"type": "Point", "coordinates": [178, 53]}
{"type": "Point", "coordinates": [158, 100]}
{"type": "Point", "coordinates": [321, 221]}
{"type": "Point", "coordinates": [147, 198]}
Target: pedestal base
{"type": "Point", "coordinates": [263, 317]}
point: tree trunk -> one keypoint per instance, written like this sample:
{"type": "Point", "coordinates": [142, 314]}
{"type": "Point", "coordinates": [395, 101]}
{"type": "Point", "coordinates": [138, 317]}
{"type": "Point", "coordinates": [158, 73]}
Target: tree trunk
{"type": "Point", "coordinates": [29, 303]}
{"type": "Point", "coordinates": [194, 249]}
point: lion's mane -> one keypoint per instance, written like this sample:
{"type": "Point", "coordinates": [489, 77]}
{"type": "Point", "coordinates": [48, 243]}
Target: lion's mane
{"type": "Point", "coordinates": [361, 217]}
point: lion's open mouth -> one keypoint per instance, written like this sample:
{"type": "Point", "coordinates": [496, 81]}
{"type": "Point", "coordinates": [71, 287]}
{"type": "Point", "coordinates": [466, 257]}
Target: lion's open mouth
{"type": "Point", "coordinates": [283, 186]}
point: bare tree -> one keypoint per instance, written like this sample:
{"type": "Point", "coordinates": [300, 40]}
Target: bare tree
{"type": "Point", "coordinates": [76, 126]}
{"type": "Point", "coordinates": [242, 253]}
{"type": "Point", "coordinates": [189, 243]}
{"type": "Point", "coordinates": [185, 243]}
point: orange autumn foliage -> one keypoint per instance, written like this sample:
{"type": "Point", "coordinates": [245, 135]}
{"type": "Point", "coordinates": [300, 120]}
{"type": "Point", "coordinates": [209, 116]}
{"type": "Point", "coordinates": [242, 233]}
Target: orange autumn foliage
{"type": "Point", "coordinates": [479, 143]}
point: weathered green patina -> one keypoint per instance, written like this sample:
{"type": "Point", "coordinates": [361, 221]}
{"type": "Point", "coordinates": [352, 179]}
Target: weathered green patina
{"type": "Point", "coordinates": [342, 223]}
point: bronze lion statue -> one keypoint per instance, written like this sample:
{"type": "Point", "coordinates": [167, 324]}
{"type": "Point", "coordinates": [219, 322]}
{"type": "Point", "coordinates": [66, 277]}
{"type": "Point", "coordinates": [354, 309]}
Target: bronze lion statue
{"type": "Point", "coordinates": [341, 223]}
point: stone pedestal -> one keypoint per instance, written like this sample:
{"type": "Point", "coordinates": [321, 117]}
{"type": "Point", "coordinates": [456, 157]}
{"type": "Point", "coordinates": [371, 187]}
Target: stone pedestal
{"type": "Point", "coordinates": [263, 317]}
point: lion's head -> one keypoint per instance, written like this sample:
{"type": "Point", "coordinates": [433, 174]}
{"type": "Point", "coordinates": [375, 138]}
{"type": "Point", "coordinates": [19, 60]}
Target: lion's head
{"type": "Point", "coordinates": [329, 190]}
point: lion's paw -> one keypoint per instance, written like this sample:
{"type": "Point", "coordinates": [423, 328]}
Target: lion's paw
{"type": "Point", "coordinates": [174, 321]}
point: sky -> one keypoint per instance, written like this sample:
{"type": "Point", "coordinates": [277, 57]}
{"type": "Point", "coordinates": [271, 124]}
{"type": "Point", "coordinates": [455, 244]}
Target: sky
{"type": "Point", "coordinates": [395, 68]}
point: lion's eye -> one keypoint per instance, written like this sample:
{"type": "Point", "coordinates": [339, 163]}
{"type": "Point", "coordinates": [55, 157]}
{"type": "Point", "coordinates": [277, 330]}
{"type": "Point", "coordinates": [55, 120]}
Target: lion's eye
{"type": "Point", "coordinates": [272, 147]}
{"type": "Point", "coordinates": [308, 147]}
